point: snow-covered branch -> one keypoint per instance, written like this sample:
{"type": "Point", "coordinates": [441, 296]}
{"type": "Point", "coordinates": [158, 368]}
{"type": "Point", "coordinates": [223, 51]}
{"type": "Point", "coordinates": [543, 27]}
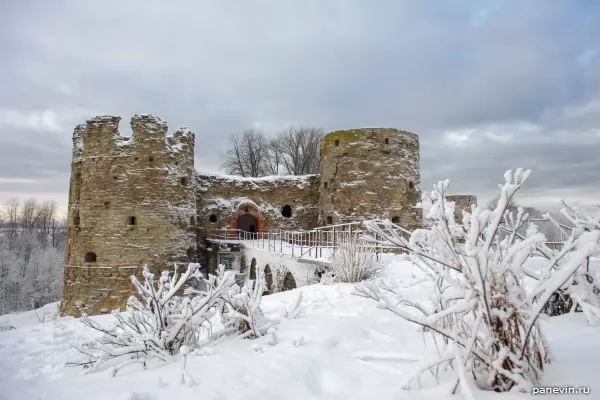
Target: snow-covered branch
{"type": "Point", "coordinates": [480, 307]}
{"type": "Point", "coordinates": [161, 321]}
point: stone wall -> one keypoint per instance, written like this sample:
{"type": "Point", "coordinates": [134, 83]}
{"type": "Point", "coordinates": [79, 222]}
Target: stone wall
{"type": "Point", "coordinates": [370, 173]}
{"type": "Point", "coordinates": [462, 202]}
{"type": "Point", "coordinates": [222, 199]}
{"type": "Point", "coordinates": [131, 202]}
{"type": "Point", "coordinates": [138, 200]}
{"type": "Point", "coordinates": [279, 265]}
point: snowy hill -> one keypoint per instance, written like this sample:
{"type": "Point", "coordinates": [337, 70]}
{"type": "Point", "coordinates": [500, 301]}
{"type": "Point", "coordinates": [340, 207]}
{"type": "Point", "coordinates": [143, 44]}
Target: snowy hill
{"type": "Point", "coordinates": [343, 347]}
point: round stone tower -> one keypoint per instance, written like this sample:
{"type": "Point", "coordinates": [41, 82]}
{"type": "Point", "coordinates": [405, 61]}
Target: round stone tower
{"type": "Point", "coordinates": [370, 173]}
{"type": "Point", "coordinates": [131, 203]}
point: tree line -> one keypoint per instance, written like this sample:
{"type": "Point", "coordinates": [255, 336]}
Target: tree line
{"type": "Point", "coordinates": [294, 150]}
{"type": "Point", "coordinates": [32, 252]}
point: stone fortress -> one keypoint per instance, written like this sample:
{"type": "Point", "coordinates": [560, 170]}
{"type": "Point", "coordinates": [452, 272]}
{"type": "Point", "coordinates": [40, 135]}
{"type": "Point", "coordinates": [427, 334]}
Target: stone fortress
{"type": "Point", "coordinates": [139, 200]}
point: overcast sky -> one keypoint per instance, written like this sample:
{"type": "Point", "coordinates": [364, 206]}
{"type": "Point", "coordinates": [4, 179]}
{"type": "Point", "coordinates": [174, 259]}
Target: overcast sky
{"type": "Point", "coordinates": [487, 85]}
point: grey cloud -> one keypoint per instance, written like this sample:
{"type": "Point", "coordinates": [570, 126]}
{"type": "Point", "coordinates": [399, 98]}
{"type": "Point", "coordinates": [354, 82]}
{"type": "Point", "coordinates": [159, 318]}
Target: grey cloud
{"type": "Point", "coordinates": [218, 67]}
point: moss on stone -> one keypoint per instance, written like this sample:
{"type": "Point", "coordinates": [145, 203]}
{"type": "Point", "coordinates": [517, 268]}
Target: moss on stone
{"type": "Point", "coordinates": [358, 135]}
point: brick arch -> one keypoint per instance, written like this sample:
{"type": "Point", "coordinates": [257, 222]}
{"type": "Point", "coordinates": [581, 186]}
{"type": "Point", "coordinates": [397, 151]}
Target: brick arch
{"type": "Point", "coordinates": [247, 208]}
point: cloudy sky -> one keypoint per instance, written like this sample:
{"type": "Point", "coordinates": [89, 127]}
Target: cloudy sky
{"type": "Point", "coordinates": [488, 85]}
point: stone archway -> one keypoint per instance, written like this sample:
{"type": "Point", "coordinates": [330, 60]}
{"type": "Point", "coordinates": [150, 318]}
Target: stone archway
{"type": "Point", "coordinates": [247, 223]}
{"type": "Point", "coordinates": [247, 218]}
{"type": "Point", "coordinates": [289, 282]}
{"type": "Point", "coordinates": [253, 269]}
{"type": "Point", "coordinates": [268, 279]}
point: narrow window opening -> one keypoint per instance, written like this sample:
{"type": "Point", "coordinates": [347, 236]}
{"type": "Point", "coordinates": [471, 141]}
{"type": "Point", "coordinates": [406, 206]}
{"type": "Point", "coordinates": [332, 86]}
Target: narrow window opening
{"type": "Point", "coordinates": [411, 185]}
{"type": "Point", "coordinates": [184, 181]}
{"type": "Point", "coordinates": [337, 143]}
{"type": "Point", "coordinates": [151, 158]}
{"type": "Point", "coordinates": [325, 185]}
{"type": "Point", "coordinates": [286, 211]}
{"type": "Point", "coordinates": [76, 220]}
{"type": "Point", "coordinates": [212, 218]}
{"type": "Point", "coordinates": [132, 220]}
{"type": "Point", "coordinates": [90, 257]}
{"type": "Point", "coordinates": [395, 219]}
{"type": "Point", "coordinates": [387, 141]}
{"type": "Point", "coordinates": [192, 221]}
{"type": "Point", "coordinates": [329, 220]}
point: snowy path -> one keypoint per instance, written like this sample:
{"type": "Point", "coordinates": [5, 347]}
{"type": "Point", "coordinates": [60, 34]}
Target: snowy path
{"type": "Point", "coordinates": [343, 348]}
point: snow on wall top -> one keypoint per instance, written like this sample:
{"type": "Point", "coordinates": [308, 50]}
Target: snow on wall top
{"type": "Point", "coordinates": [209, 179]}
{"type": "Point", "coordinates": [100, 135]}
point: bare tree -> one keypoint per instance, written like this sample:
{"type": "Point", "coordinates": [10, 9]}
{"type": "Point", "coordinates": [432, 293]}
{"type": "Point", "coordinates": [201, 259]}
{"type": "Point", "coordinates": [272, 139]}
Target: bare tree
{"type": "Point", "coordinates": [32, 246]}
{"type": "Point", "coordinates": [31, 213]}
{"type": "Point", "coordinates": [298, 147]}
{"type": "Point", "coordinates": [273, 160]}
{"type": "Point", "coordinates": [294, 151]}
{"type": "Point", "coordinates": [11, 210]}
{"type": "Point", "coordinates": [247, 154]}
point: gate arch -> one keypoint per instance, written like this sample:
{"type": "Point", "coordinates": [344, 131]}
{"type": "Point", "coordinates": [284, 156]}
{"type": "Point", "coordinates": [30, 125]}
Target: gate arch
{"type": "Point", "coordinates": [247, 217]}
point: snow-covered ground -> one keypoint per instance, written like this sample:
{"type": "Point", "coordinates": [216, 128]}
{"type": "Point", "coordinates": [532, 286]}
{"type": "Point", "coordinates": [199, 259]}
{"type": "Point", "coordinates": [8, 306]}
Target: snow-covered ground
{"type": "Point", "coordinates": [342, 348]}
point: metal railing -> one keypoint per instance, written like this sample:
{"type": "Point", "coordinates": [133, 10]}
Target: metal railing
{"type": "Point", "coordinates": [318, 243]}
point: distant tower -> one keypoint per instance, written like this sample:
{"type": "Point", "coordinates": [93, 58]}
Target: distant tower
{"type": "Point", "coordinates": [462, 202]}
{"type": "Point", "coordinates": [370, 173]}
{"type": "Point", "coordinates": [131, 202]}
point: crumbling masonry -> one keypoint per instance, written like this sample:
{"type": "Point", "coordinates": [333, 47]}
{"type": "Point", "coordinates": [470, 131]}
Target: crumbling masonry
{"type": "Point", "coordinates": [139, 200]}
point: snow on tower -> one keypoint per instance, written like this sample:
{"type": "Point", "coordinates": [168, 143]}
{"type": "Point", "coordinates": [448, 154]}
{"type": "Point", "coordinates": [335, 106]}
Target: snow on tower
{"type": "Point", "coordinates": [370, 173]}
{"type": "Point", "coordinates": [131, 202]}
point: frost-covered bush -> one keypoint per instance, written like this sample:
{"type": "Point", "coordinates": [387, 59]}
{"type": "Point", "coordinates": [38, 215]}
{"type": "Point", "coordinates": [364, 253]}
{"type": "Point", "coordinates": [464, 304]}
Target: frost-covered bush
{"type": "Point", "coordinates": [279, 275]}
{"type": "Point", "coordinates": [483, 321]}
{"type": "Point", "coordinates": [158, 323]}
{"type": "Point", "coordinates": [354, 260]}
{"type": "Point", "coordinates": [580, 291]}
{"type": "Point", "coordinates": [242, 313]}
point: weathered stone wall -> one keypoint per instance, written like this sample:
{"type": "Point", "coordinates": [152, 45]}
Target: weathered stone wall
{"type": "Point", "coordinates": [280, 264]}
{"type": "Point", "coordinates": [225, 199]}
{"type": "Point", "coordinates": [138, 200]}
{"type": "Point", "coordinates": [370, 173]}
{"type": "Point", "coordinates": [131, 202]}
{"type": "Point", "coordinates": [462, 202]}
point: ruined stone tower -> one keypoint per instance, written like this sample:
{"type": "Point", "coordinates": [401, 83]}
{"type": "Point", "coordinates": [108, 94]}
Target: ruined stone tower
{"type": "Point", "coordinates": [370, 173]}
{"type": "Point", "coordinates": [136, 201]}
{"type": "Point", "coordinates": [132, 202]}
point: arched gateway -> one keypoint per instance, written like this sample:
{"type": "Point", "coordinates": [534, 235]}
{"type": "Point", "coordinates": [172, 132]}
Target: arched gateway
{"type": "Point", "coordinates": [247, 223]}
{"type": "Point", "coordinates": [248, 218]}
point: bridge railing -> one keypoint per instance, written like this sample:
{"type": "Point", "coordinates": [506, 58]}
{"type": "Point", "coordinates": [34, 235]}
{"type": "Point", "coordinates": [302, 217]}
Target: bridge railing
{"type": "Point", "coordinates": [319, 243]}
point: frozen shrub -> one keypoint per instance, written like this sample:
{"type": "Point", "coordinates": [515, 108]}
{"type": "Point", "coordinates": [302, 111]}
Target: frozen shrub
{"type": "Point", "coordinates": [354, 260]}
{"type": "Point", "coordinates": [483, 321]}
{"type": "Point", "coordinates": [579, 291]}
{"type": "Point", "coordinates": [158, 323]}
